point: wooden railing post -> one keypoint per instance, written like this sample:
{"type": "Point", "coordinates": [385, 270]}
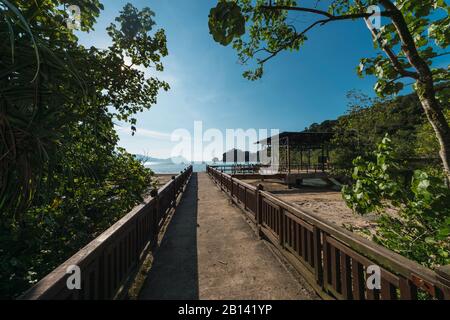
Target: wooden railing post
{"type": "Point", "coordinates": [259, 188]}
{"type": "Point", "coordinates": [137, 236]}
{"type": "Point", "coordinates": [101, 278]}
{"type": "Point", "coordinates": [317, 245]}
{"type": "Point", "coordinates": [231, 186]}
{"type": "Point", "coordinates": [245, 198]}
{"type": "Point", "coordinates": [443, 276]}
{"type": "Point", "coordinates": [281, 226]}
{"type": "Point", "coordinates": [175, 190]}
{"type": "Point", "coordinates": [154, 194]}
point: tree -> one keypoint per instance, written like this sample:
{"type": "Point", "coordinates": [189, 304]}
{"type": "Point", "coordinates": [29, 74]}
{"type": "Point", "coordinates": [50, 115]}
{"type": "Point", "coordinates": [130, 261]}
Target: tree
{"type": "Point", "coordinates": [52, 87]}
{"type": "Point", "coordinates": [63, 180]}
{"type": "Point", "coordinates": [420, 229]}
{"type": "Point", "coordinates": [369, 119]}
{"type": "Point", "coordinates": [414, 33]}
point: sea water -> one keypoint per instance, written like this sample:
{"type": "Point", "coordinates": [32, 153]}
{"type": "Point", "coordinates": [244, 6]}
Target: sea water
{"type": "Point", "coordinates": [170, 167]}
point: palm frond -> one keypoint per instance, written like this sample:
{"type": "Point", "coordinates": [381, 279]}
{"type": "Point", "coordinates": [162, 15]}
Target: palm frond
{"type": "Point", "coordinates": [24, 25]}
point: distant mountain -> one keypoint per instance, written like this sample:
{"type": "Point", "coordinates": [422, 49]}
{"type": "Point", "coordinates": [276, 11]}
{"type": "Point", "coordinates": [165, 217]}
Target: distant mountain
{"type": "Point", "coordinates": [178, 159]}
{"type": "Point", "coordinates": [403, 114]}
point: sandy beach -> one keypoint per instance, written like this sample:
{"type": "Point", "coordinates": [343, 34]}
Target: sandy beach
{"type": "Point", "coordinates": [324, 202]}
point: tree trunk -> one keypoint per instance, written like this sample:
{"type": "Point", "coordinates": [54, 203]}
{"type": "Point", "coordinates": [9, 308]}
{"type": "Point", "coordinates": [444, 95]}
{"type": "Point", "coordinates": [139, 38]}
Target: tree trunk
{"type": "Point", "coordinates": [425, 86]}
{"type": "Point", "coordinates": [435, 116]}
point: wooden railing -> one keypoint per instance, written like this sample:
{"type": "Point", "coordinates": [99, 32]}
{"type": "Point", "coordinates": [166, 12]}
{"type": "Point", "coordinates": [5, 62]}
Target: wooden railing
{"type": "Point", "coordinates": [109, 262]}
{"type": "Point", "coordinates": [299, 167]}
{"type": "Point", "coordinates": [332, 259]}
{"type": "Point", "coordinates": [304, 167]}
{"type": "Point", "coordinates": [238, 169]}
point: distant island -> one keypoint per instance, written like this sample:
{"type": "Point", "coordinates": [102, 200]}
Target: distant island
{"type": "Point", "coordinates": [176, 160]}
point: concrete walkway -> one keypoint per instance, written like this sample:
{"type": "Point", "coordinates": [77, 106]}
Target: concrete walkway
{"type": "Point", "coordinates": [210, 252]}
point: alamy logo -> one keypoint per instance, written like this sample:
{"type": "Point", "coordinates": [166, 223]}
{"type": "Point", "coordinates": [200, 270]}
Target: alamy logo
{"type": "Point", "coordinates": [74, 280]}
{"type": "Point", "coordinates": [373, 281]}
{"type": "Point", "coordinates": [204, 145]}
{"type": "Point", "coordinates": [74, 20]}
{"type": "Point", "coordinates": [374, 21]}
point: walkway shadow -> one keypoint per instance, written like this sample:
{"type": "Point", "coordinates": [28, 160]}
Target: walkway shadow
{"type": "Point", "coordinates": [174, 274]}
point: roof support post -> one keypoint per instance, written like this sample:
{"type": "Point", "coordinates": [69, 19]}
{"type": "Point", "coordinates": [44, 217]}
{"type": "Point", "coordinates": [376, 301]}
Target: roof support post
{"type": "Point", "coordinates": [288, 155]}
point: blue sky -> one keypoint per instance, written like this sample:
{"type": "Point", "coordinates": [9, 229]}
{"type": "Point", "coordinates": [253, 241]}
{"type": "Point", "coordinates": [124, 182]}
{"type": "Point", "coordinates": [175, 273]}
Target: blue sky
{"type": "Point", "coordinates": [298, 88]}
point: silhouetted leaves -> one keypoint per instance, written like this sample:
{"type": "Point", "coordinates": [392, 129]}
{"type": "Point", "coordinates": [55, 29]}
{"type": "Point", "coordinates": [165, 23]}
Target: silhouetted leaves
{"type": "Point", "coordinates": [63, 180]}
{"type": "Point", "coordinates": [226, 22]}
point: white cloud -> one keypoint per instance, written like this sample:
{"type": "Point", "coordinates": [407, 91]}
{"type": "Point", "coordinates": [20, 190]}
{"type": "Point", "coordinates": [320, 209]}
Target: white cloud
{"type": "Point", "coordinates": [141, 132]}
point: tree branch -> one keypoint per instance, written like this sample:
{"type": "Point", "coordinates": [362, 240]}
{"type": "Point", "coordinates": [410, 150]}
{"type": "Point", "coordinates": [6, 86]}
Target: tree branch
{"type": "Point", "coordinates": [297, 36]}
{"type": "Point", "coordinates": [408, 44]}
{"type": "Point", "coordinates": [321, 12]}
{"type": "Point", "coordinates": [440, 55]}
{"type": "Point", "coordinates": [322, 22]}
{"type": "Point", "coordinates": [392, 56]}
{"type": "Point", "coordinates": [330, 17]}
{"type": "Point", "coordinates": [442, 87]}
{"type": "Point", "coordinates": [326, 14]}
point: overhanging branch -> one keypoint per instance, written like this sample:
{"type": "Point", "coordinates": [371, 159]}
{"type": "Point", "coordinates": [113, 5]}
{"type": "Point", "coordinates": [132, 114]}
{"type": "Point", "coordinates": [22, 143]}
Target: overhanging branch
{"type": "Point", "coordinates": [295, 38]}
{"type": "Point", "coordinates": [325, 13]}
{"type": "Point", "coordinates": [330, 17]}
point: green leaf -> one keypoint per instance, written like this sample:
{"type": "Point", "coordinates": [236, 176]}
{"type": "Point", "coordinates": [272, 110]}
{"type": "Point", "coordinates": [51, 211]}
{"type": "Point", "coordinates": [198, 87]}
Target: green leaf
{"type": "Point", "coordinates": [24, 24]}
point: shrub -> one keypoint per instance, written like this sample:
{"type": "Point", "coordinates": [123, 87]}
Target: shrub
{"type": "Point", "coordinates": [421, 230]}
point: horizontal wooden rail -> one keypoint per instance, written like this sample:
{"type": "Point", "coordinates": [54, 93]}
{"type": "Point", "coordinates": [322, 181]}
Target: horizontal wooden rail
{"type": "Point", "coordinates": [238, 169]}
{"type": "Point", "coordinates": [301, 167]}
{"type": "Point", "coordinates": [332, 259]}
{"type": "Point", "coordinates": [107, 263]}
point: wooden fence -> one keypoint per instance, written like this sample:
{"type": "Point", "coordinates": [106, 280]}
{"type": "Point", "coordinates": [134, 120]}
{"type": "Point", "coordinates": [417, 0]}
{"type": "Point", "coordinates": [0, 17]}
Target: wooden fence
{"type": "Point", "coordinates": [111, 260]}
{"type": "Point", "coordinates": [238, 169]}
{"type": "Point", "coordinates": [333, 260]}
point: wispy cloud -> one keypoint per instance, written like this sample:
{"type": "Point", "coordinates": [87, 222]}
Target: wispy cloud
{"type": "Point", "coordinates": [169, 77]}
{"type": "Point", "coordinates": [141, 132]}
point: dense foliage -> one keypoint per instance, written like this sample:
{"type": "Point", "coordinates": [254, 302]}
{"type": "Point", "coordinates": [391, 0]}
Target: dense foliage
{"type": "Point", "coordinates": [421, 228]}
{"type": "Point", "coordinates": [63, 180]}
{"type": "Point", "coordinates": [403, 172]}
{"type": "Point", "coordinates": [369, 119]}
{"type": "Point", "coordinates": [373, 181]}
{"type": "Point", "coordinates": [357, 133]}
